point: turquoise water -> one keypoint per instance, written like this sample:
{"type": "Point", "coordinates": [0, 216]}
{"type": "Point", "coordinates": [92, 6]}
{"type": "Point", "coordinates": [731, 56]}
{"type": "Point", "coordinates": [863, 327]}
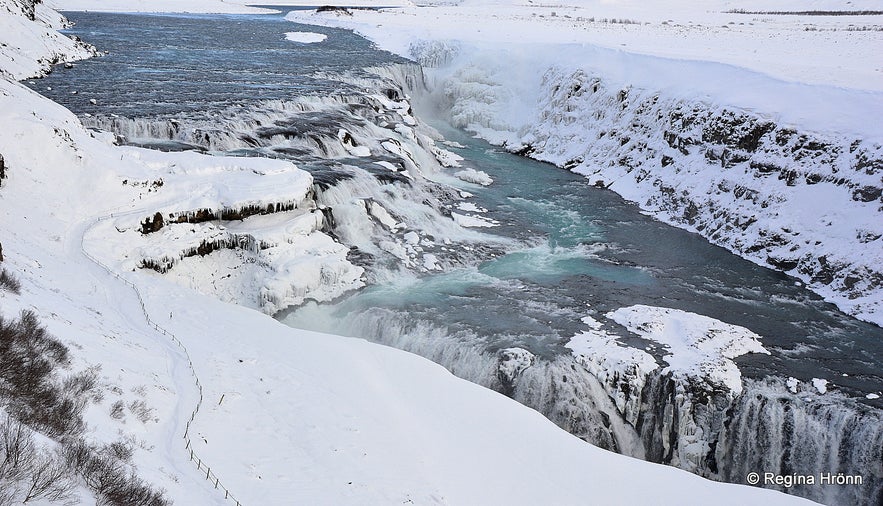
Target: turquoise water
{"type": "Point", "coordinates": [585, 252]}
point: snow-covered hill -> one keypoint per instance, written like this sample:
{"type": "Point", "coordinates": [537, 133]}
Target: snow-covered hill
{"type": "Point", "coordinates": [30, 42]}
{"type": "Point", "coordinates": [284, 416]}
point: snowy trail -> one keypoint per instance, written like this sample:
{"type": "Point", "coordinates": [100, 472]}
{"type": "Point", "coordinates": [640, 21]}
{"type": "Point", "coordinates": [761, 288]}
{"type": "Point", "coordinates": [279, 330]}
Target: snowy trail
{"type": "Point", "coordinates": [184, 377]}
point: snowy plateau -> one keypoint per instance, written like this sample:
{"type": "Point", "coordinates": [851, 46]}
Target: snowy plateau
{"type": "Point", "coordinates": [159, 272]}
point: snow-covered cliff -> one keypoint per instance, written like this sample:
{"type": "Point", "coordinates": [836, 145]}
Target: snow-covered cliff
{"type": "Point", "coordinates": [31, 42]}
{"type": "Point", "coordinates": [801, 199]}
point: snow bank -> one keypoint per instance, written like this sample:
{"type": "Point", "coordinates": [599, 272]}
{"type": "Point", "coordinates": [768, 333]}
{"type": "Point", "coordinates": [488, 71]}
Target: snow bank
{"type": "Point", "coordinates": [696, 345]}
{"type": "Point", "coordinates": [623, 370]}
{"type": "Point", "coordinates": [29, 42]}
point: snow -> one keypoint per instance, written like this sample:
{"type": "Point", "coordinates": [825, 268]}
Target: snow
{"type": "Point", "coordinates": [696, 345]}
{"type": "Point", "coordinates": [614, 364]}
{"type": "Point", "coordinates": [286, 416]}
{"type": "Point", "coordinates": [305, 37]}
{"type": "Point", "coordinates": [473, 221]}
{"type": "Point", "coordinates": [672, 29]}
{"type": "Point", "coordinates": [513, 361]}
{"type": "Point", "coordinates": [792, 383]}
{"type": "Point", "coordinates": [697, 349]}
{"type": "Point", "coordinates": [470, 207]}
{"type": "Point", "coordinates": [29, 46]}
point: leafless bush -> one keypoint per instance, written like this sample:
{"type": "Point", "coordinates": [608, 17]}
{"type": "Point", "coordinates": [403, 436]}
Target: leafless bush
{"type": "Point", "coordinates": [16, 449]}
{"type": "Point", "coordinates": [48, 480]}
{"type": "Point", "coordinates": [141, 410]}
{"type": "Point", "coordinates": [26, 473]}
{"type": "Point", "coordinates": [120, 450]}
{"type": "Point", "coordinates": [116, 485]}
{"type": "Point", "coordinates": [28, 358]}
{"type": "Point", "coordinates": [82, 384]}
{"type": "Point", "coordinates": [806, 13]}
{"type": "Point", "coordinates": [31, 397]}
{"type": "Point", "coordinates": [117, 410]}
{"type": "Point", "coordinates": [9, 282]}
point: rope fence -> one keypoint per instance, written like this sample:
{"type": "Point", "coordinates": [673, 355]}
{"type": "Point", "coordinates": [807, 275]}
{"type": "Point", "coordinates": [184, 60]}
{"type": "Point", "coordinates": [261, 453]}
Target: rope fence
{"type": "Point", "coordinates": [201, 466]}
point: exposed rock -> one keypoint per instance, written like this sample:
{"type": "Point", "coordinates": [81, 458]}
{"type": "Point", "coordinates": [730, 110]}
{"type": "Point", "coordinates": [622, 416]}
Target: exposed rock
{"type": "Point", "coordinates": [513, 362]}
{"type": "Point", "coordinates": [150, 225]}
{"type": "Point", "coordinates": [867, 193]}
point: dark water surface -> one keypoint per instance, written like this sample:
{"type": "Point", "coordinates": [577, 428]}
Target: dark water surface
{"type": "Point", "coordinates": [161, 64]}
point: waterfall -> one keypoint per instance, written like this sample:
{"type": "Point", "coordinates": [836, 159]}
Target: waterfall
{"type": "Point", "coordinates": [770, 429]}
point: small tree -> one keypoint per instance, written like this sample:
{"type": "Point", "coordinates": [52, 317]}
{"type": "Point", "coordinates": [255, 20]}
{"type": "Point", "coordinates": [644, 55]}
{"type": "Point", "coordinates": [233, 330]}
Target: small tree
{"type": "Point", "coordinates": [48, 479]}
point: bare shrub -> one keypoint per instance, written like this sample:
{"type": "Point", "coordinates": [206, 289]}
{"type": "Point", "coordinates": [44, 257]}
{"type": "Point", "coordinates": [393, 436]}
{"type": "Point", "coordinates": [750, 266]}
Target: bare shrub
{"type": "Point", "coordinates": [31, 397]}
{"type": "Point", "coordinates": [120, 450]}
{"type": "Point", "coordinates": [27, 473]}
{"type": "Point", "coordinates": [9, 282]}
{"type": "Point", "coordinates": [28, 357]}
{"type": "Point", "coordinates": [76, 454]}
{"type": "Point", "coordinates": [82, 383]}
{"type": "Point", "coordinates": [117, 410]}
{"type": "Point", "coordinates": [141, 410]}
{"type": "Point", "coordinates": [48, 479]}
{"type": "Point", "coordinates": [16, 450]}
{"type": "Point", "coordinates": [115, 485]}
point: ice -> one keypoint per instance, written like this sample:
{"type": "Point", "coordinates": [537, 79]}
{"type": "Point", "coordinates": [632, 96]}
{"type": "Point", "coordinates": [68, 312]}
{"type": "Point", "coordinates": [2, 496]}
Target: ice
{"type": "Point", "coordinates": [474, 176]}
{"type": "Point", "coordinates": [305, 37]}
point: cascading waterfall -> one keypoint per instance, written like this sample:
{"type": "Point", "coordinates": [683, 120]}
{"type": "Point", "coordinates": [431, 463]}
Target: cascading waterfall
{"type": "Point", "coordinates": [772, 430]}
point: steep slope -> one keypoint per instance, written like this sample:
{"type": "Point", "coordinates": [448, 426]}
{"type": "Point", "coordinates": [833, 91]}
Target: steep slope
{"type": "Point", "coordinates": [30, 42]}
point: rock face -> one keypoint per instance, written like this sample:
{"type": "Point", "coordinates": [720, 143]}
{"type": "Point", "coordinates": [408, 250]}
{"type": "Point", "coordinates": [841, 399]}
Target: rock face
{"type": "Point", "coordinates": [29, 7]}
{"type": "Point", "coordinates": [801, 202]}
